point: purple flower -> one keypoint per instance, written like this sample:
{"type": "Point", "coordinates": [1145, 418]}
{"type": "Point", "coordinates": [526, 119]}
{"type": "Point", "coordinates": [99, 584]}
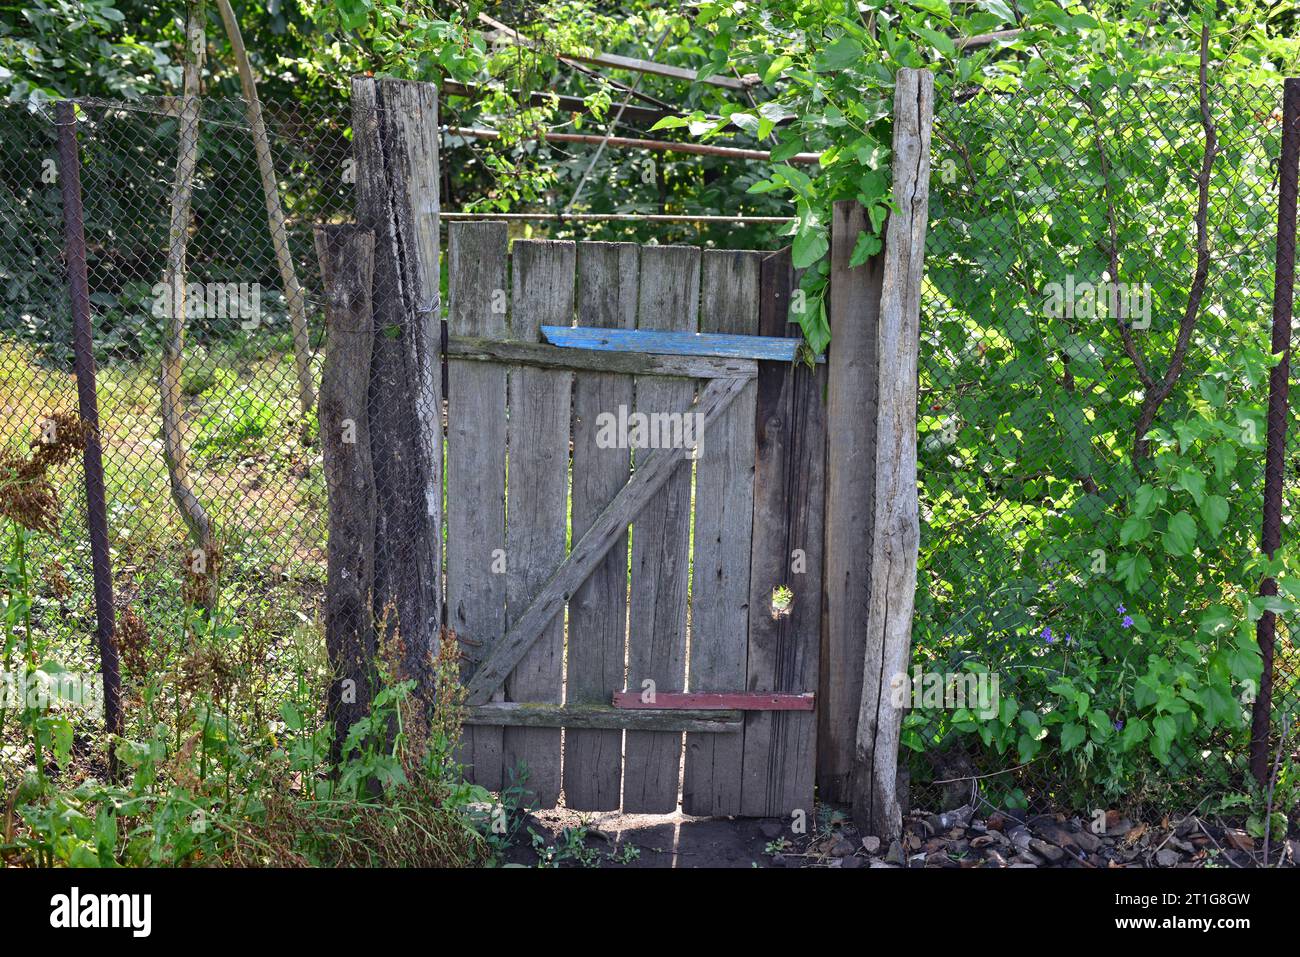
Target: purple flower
{"type": "Point", "coordinates": [1121, 609]}
{"type": "Point", "coordinates": [1047, 635]}
{"type": "Point", "coordinates": [1119, 724]}
{"type": "Point", "coordinates": [1069, 639]}
{"type": "Point", "coordinates": [1127, 622]}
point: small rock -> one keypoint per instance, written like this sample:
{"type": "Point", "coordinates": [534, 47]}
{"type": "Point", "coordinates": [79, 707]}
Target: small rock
{"type": "Point", "coordinates": [771, 827]}
{"type": "Point", "coordinates": [780, 860]}
{"type": "Point", "coordinates": [871, 844]}
{"type": "Point", "coordinates": [1120, 828]}
{"type": "Point", "coordinates": [1236, 838]}
{"type": "Point", "coordinates": [984, 840]}
{"type": "Point", "coordinates": [841, 846]}
{"type": "Point", "coordinates": [958, 818]}
{"type": "Point", "coordinates": [895, 853]}
{"type": "Point", "coordinates": [1088, 841]}
{"type": "Point", "coordinates": [853, 862]}
{"type": "Point", "coordinates": [1049, 852]}
{"type": "Point", "coordinates": [880, 863]}
{"type": "Point", "coordinates": [995, 822]}
{"type": "Point", "coordinates": [1167, 857]}
{"type": "Point", "coordinates": [913, 842]}
{"type": "Point", "coordinates": [993, 859]}
{"type": "Point", "coordinates": [1020, 837]}
{"type": "Point", "coordinates": [1187, 826]}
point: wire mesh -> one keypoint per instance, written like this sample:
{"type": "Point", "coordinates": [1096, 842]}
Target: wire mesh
{"type": "Point", "coordinates": [1056, 552]}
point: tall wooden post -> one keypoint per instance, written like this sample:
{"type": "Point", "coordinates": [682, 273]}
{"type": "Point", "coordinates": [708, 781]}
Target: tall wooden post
{"type": "Point", "coordinates": [347, 262]}
{"type": "Point", "coordinates": [896, 525]}
{"type": "Point", "coordinates": [1279, 379]}
{"type": "Point", "coordinates": [395, 130]}
{"type": "Point", "coordinates": [83, 346]}
{"type": "Point", "coordinates": [854, 303]}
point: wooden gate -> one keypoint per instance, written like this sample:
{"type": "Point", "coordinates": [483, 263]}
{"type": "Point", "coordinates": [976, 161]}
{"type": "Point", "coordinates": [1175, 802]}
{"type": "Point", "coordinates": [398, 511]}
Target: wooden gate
{"type": "Point", "coordinates": [639, 612]}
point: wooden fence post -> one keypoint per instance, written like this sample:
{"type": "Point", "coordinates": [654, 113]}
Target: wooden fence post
{"type": "Point", "coordinates": [347, 259]}
{"type": "Point", "coordinates": [850, 498]}
{"type": "Point", "coordinates": [395, 128]}
{"type": "Point", "coordinates": [896, 531]}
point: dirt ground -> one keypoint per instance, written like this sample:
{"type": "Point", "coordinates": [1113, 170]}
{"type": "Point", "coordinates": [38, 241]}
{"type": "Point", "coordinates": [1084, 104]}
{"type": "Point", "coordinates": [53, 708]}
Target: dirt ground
{"type": "Point", "coordinates": [660, 840]}
{"type": "Point", "coordinates": [955, 839]}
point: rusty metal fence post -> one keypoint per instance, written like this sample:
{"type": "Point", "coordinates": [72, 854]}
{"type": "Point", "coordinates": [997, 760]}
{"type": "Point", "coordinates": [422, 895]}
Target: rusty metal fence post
{"type": "Point", "coordinates": [1278, 382]}
{"type": "Point", "coordinates": [88, 406]}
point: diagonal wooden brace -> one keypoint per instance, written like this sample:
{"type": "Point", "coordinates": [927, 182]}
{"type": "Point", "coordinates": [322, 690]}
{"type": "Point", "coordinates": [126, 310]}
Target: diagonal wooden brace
{"type": "Point", "coordinates": [651, 474]}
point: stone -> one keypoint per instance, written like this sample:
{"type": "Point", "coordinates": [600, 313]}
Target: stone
{"type": "Point", "coordinates": [1167, 857]}
{"type": "Point", "coordinates": [895, 853]}
{"type": "Point", "coordinates": [871, 844]}
{"type": "Point", "coordinates": [1088, 841]}
{"type": "Point", "coordinates": [841, 846]}
{"type": "Point", "coordinates": [1049, 852]}
{"type": "Point", "coordinates": [1238, 839]}
{"type": "Point", "coordinates": [771, 827]}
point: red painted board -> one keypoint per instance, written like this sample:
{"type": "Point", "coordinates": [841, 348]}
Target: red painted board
{"type": "Point", "coordinates": [717, 701]}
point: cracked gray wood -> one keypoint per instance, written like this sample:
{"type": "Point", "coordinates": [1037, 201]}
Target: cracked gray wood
{"type": "Point", "coordinates": [896, 533]}
{"type": "Point", "coordinates": [593, 758]}
{"type": "Point", "coordinates": [476, 470]}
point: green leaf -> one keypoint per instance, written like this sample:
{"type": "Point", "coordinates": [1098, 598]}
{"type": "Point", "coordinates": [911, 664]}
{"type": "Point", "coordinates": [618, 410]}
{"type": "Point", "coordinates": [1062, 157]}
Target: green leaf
{"type": "Point", "coordinates": [1133, 734]}
{"type": "Point", "coordinates": [940, 41]}
{"type": "Point", "coordinates": [1072, 735]}
{"type": "Point", "coordinates": [1134, 529]}
{"type": "Point", "coordinates": [1133, 571]}
{"type": "Point", "coordinates": [775, 68]}
{"type": "Point", "coordinates": [1147, 499]}
{"type": "Point", "coordinates": [810, 244]}
{"type": "Point", "coordinates": [1214, 510]}
{"type": "Point", "coordinates": [292, 719]}
{"type": "Point", "coordinates": [1193, 481]}
{"type": "Point", "coordinates": [999, 9]}
{"type": "Point", "coordinates": [1225, 458]}
{"type": "Point", "coordinates": [1180, 537]}
{"type": "Point", "coordinates": [842, 53]}
{"type": "Point", "coordinates": [866, 246]}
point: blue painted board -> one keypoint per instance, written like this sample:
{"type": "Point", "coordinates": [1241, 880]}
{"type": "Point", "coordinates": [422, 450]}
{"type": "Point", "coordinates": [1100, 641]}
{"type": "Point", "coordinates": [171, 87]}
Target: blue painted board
{"type": "Point", "coordinates": [771, 348]}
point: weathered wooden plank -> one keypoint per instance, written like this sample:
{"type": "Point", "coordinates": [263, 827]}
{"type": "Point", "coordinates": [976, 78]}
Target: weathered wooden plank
{"type": "Point", "coordinates": [601, 718]}
{"type": "Point", "coordinates": [784, 637]}
{"type": "Point", "coordinates": [347, 263]}
{"type": "Point", "coordinates": [396, 151]}
{"type": "Point", "coordinates": [593, 759]}
{"type": "Point", "coordinates": [721, 700]}
{"type": "Point", "coordinates": [652, 473]}
{"type": "Point", "coordinates": [724, 514]}
{"type": "Point", "coordinates": [850, 504]}
{"type": "Point", "coordinates": [668, 299]}
{"type": "Point", "coordinates": [476, 470]}
{"type": "Point", "coordinates": [537, 499]}
{"type": "Point", "coordinates": [676, 343]}
{"type": "Point", "coordinates": [896, 533]}
{"type": "Point", "coordinates": [629, 363]}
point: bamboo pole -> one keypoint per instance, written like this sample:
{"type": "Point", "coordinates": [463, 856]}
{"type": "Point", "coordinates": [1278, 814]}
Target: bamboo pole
{"type": "Point", "coordinates": [624, 142]}
{"type": "Point", "coordinates": [175, 452]}
{"type": "Point", "coordinates": [274, 213]}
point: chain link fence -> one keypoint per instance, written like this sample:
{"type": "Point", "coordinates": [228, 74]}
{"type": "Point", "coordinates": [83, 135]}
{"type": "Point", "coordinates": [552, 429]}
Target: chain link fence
{"type": "Point", "coordinates": [1102, 579]}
